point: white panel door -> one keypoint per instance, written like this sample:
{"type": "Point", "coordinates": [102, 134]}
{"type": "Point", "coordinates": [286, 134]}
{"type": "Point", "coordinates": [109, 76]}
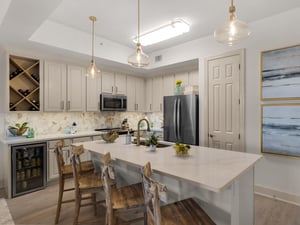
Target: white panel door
{"type": "Point", "coordinates": [93, 91]}
{"type": "Point", "coordinates": [120, 84]}
{"type": "Point", "coordinates": [157, 94]}
{"type": "Point", "coordinates": [108, 80]}
{"type": "Point", "coordinates": [223, 102]}
{"type": "Point", "coordinates": [76, 89]}
{"type": "Point", "coordinates": [55, 87]}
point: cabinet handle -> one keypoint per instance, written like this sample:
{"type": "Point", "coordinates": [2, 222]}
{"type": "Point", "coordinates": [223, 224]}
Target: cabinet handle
{"type": "Point", "coordinates": [62, 105]}
{"type": "Point", "coordinates": [150, 106]}
{"type": "Point", "coordinates": [137, 107]}
{"type": "Point", "coordinates": [68, 105]}
{"type": "Point", "coordinates": [116, 89]}
{"type": "Point", "coordinates": [160, 106]}
{"type": "Point", "coordinates": [112, 89]}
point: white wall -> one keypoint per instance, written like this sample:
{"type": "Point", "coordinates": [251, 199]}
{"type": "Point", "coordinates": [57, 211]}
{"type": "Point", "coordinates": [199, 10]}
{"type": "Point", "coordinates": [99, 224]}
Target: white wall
{"type": "Point", "coordinates": [275, 172]}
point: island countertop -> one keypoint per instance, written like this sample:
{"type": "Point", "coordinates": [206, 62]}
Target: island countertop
{"type": "Point", "coordinates": [211, 169]}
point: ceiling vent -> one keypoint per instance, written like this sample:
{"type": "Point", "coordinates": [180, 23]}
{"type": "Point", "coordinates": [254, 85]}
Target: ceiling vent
{"type": "Point", "coordinates": [158, 58]}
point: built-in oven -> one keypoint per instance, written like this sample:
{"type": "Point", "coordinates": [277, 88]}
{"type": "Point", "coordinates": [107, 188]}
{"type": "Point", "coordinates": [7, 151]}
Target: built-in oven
{"type": "Point", "coordinates": [113, 102]}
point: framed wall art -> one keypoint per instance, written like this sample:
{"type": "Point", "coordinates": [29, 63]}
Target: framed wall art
{"type": "Point", "coordinates": [280, 74]}
{"type": "Point", "coordinates": [280, 129]}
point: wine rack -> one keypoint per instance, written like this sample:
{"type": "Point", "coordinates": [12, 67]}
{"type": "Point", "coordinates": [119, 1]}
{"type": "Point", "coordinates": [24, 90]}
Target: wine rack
{"type": "Point", "coordinates": [24, 84]}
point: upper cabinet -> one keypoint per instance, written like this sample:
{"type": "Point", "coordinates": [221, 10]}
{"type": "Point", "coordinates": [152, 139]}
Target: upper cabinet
{"type": "Point", "coordinates": [93, 91]}
{"type": "Point", "coordinates": [64, 88]}
{"type": "Point", "coordinates": [113, 83]}
{"type": "Point", "coordinates": [169, 85]}
{"type": "Point", "coordinates": [135, 94]}
{"type": "Point", "coordinates": [24, 84]}
{"type": "Point", "coordinates": [154, 94]}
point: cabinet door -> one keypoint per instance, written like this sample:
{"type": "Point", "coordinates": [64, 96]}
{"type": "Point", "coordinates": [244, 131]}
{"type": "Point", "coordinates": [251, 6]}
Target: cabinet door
{"type": "Point", "coordinates": [194, 77]}
{"type": "Point", "coordinates": [76, 89]}
{"type": "Point", "coordinates": [168, 85]}
{"type": "Point", "coordinates": [52, 165]}
{"type": "Point", "coordinates": [131, 104]}
{"type": "Point", "coordinates": [120, 84]}
{"type": "Point", "coordinates": [157, 94]}
{"type": "Point", "coordinates": [54, 87]}
{"type": "Point", "coordinates": [93, 90]}
{"type": "Point", "coordinates": [140, 94]}
{"type": "Point", "coordinates": [107, 82]}
{"type": "Point", "coordinates": [149, 95]}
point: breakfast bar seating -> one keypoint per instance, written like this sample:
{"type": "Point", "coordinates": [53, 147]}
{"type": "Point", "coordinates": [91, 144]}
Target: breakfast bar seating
{"type": "Point", "coordinates": [184, 212]}
{"type": "Point", "coordinates": [65, 172]}
{"type": "Point", "coordinates": [123, 201]}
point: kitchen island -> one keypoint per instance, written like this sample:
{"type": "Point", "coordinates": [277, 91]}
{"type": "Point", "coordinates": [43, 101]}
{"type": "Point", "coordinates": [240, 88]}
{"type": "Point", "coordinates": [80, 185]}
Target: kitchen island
{"type": "Point", "coordinates": [221, 180]}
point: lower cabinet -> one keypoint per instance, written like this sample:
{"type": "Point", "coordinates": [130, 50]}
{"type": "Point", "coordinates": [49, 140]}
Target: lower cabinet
{"type": "Point", "coordinates": [67, 153]}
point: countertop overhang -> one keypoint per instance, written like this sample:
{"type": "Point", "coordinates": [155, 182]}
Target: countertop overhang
{"type": "Point", "coordinates": [212, 169]}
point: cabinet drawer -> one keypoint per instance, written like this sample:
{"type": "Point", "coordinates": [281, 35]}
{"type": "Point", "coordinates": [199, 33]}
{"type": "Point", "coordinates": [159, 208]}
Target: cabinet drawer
{"type": "Point", "coordinates": [81, 139]}
{"type": "Point", "coordinates": [51, 144]}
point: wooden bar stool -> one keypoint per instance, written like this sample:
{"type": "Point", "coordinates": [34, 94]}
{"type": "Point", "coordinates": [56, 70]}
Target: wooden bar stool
{"type": "Point", "coordinates": [121, 201]}
{"type": "Point", "coordinates": [87, 185]}
{"type": "Point", "coordinates": [65, 172]}
{"type": "Point", "coordinates": [184, 212]}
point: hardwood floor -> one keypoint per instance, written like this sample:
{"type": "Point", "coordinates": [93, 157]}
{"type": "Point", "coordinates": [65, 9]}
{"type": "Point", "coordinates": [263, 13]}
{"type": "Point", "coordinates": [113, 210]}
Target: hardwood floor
{"type": "Point", "coordinates": [38, 208]}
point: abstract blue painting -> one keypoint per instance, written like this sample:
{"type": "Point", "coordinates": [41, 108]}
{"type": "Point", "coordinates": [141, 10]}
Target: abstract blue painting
{"type": "Point", "coordinates": [280, 129]}
{"type": "Point", "coordinates": [280, 73]}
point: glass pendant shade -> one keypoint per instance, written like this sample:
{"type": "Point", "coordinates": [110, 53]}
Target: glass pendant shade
{"type": "Point", "coordinates": [138, 58]}
{"type": "Point", "coordinates": [92, 71]}
{"type": "Point", "coordinates": [233, 30]}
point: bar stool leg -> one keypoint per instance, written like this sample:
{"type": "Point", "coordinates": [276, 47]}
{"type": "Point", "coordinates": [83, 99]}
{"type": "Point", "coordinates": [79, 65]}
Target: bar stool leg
{"type": "Point", "coordinates": [95, 203]}
{"type": "Point", "coordinates": [77, 210]}
{"type": "Point", "coordinates": [60, 196]}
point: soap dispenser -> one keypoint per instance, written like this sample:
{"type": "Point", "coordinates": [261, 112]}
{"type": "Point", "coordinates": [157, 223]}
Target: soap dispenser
{"type": "Point", "coordinates": [128, 138]}
{"type": "Point", "coordinates": [73, 128]}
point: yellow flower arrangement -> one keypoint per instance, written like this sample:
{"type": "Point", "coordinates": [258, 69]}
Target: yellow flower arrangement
{"type": "Point", "coordinates": [181, 149]}
{"type": "Point", "coordinates": [178, 82]}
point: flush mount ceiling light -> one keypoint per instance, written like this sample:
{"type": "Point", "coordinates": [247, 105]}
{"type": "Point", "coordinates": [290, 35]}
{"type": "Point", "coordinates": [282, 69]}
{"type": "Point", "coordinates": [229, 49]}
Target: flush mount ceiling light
{"type": "Point", "coordinates": [138, 58]}
{"type": "Point", "coordinates": [92, 70]}
{"type": "Point", "coordinates": [233, 30]}
{"type": "Point", "coordinates": [175, 28]}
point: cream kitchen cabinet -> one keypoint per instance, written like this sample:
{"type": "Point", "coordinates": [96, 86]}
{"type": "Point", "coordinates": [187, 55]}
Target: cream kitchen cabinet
{"type": "Point", "coordinates": [154, 94]}
{"type": "Point", "coordinates": [135, 94]}
{"type": "Point", "coordinates": [64, 87]}
{"type": "Point", "coordinates": [113, 83]}
{"type": "Point", "coordinates": [93, 91]}
{"type": "Point", "coordinates": [168, 84]}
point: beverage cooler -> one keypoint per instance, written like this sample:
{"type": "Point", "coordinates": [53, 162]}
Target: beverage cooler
{"type": "Point", "coordinates": [29, 165]}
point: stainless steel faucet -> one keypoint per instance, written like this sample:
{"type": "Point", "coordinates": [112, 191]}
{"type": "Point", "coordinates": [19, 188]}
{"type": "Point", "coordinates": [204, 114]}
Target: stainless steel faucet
{"type": "Point", "coordinates": [138, 138]}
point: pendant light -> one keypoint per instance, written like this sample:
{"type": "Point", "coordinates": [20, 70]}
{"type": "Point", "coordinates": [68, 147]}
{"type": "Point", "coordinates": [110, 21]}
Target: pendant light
{"type": "Point", "coordinates": [233, 30]}
{"type": "Point", "coordinates": [92, 70]}
{"type": "Point", "coordinates": [138, 58]}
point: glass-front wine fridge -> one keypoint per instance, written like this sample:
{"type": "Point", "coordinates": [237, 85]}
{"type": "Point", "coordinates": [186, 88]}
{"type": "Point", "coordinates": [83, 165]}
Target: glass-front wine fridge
{"type": "Point", "coordinates": [29, 164]}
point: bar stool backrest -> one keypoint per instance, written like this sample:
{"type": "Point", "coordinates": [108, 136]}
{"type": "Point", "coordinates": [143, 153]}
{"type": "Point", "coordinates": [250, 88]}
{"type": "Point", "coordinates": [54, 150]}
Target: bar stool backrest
{"type": "Point", "coordinates": [59, 156]}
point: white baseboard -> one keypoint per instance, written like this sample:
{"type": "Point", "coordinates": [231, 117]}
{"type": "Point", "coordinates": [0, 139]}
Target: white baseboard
{"type": "Point", "coordinates": [278, 195]}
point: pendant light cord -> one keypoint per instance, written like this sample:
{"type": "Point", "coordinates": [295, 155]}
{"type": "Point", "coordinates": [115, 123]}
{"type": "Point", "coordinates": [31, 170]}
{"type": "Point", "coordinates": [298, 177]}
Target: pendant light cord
{"type": "Point", "coordinates": [138, 39]}
{"type": "Point", "coordinates": [93, 40]}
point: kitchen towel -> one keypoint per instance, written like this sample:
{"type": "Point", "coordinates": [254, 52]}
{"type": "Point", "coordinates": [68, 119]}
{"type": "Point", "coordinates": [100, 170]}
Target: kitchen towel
{"type": "Point", "coordinates": [5, 217]}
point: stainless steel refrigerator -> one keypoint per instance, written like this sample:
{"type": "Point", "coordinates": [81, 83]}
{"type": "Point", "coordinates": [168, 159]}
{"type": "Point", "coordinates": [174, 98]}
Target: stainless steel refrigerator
{"type": "Point", "coordinates": [181, 119]}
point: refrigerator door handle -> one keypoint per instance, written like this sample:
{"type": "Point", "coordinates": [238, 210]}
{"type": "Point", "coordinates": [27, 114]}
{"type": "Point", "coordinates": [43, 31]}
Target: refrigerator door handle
{"type": "Point", "coordinates": [178, 119]}
{"type": "Point", "coordinates": [175, 119]}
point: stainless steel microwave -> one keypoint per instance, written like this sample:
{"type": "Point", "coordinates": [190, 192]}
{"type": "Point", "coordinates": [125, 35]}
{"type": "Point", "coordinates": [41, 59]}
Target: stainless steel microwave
{"type": "Point", "coordinates": [113, 102]}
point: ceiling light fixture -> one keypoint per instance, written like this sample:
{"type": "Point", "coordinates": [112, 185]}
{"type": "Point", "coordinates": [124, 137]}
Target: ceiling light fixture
{"type": "Point", "coordinates": [233, 30]}
{"type": "Point", "coordinates": [175, 28]}
{"type": "Point", "coordinates": [138, 58]}
{"type": "Point", "coordinates": [92, 70]}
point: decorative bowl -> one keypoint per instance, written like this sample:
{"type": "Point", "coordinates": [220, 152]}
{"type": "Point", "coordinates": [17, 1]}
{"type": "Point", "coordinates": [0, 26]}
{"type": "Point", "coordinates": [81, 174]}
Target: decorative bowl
{"type": "Point", "coordinates": [181, 149]}
{"type": "Point", "coordinates": [110, 136]}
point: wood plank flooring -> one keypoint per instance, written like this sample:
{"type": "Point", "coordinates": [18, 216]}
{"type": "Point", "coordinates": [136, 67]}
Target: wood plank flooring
{"type": "Point", "coordinates": [39, 208]}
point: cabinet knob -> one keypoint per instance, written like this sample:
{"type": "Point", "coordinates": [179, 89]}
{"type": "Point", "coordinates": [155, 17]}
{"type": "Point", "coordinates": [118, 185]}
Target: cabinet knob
{"type": "Point", "coordinates": [211, 136]}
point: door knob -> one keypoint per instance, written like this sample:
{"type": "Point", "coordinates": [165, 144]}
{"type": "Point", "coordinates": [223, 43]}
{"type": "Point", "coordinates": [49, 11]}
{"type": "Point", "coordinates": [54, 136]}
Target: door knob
{"type": "Point", "coordinates": [211, 136]}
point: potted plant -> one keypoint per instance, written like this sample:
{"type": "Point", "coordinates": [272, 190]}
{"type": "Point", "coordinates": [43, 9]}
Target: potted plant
{"type": "Point", "coordinates": [18, 129]}
{"type": "Point", "coordinates": [152, 142]}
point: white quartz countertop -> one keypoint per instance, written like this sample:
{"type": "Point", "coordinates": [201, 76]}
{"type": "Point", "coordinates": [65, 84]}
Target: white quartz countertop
{"type": "Point", "coordinates": [39, 138]}
{"type": "Point", "coordinates": [212, 169]}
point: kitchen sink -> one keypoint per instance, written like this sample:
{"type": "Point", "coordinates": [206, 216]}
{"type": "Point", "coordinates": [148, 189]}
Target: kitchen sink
{"type": "Point", "coordinates": [143, 142]}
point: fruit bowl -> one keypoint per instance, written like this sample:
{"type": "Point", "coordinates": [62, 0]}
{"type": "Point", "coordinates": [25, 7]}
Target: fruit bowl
{"type": "Point", "coordinates": [110, 136]}
{"type": "Point", "coordinates": [181, 149]}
